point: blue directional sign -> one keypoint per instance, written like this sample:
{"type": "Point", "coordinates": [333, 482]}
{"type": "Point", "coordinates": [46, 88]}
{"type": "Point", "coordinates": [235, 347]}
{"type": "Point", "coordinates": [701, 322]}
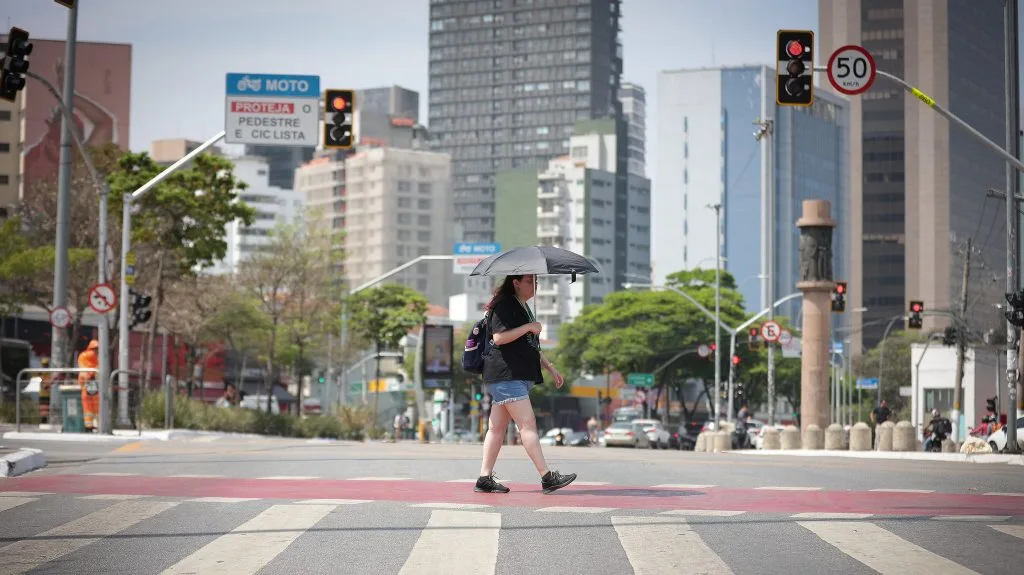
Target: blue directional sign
{"type": "Point", "coordinates": [867, 383]}
{"type": "Point", "coordinates": [272, 109]}
{"type": "Point", "coordinates": [285, 85]}
{"type": "Point", "coordinates": [468, 255]}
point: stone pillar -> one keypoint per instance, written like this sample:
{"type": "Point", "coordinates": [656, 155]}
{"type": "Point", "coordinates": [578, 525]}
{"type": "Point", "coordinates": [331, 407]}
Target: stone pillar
{"type": "Point", "coordinates": [817, 283]}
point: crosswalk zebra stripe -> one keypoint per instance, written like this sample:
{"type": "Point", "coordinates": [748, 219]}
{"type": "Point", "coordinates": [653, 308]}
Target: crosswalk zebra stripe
{"type": "Point", "coordinates": [666, 546]}
{"type": "Point", "coordinates": [12, 502]}
{"type": "Point", "coordinates": [882, 550]}
{"type": "Point", "coordinates": [1015, 530]}
{"type": "Point", "coordinates": [250, 546]}
{"type": "Point", "coordinates": [27, 554]}
{"type": "Point", "coordinates": [468, 539]}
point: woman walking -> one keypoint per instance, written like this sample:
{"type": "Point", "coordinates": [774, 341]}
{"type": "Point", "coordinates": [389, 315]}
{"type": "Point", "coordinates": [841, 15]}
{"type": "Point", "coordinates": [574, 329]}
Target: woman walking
{"type": "Point", "coordinates": [512, 365]}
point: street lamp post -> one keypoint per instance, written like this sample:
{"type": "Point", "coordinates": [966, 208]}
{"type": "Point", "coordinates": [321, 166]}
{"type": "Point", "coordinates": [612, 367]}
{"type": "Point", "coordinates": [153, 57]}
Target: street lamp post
{"type": "Point", "coordinates": [718, 311]}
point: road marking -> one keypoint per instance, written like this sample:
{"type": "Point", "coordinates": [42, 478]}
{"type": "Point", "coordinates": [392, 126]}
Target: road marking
{"type": "Point", "coordinates": [24, 493]}
{"type": "Point", "coordinates": [378, 479]}
{"type": "Point", "coordinates": [472, 536]}
{"type": "Point", "coordinates": [451, 505]}
{"type": "Point", "coordinates": [287, 477]}
{"type": "Point", "coordinates": [221, 499]}
{"type": "Point", "coordinates": [115, 496]}
{"type": "Point", "coordinates": [702, 512]}
{"type": "Point", "coordinates": [197, 476]}
{"type": "Point", "coordinates": [461, 481]}
{"type": "Point", "coordinates": [27, 554]}
{"type": "Point", "coordinates": [970, 518]}
{"type": "Point", "coordinates": [333, 501]}
{"type": "Point", "coordinates": [253, 544]}
{"type": "Point", "coordinates": [881, 550]}
{"type": "Point", "coordinates": [777, 488]}
{"type": "Point", "coordinates": [665, 546]}
{"type": "Point", "coordinates": [683, 486]}
{"type": "Point", "coordinates": [12, 502]}
{"type": "Point", "coordinates": [577, 509]}
{"type": "Point", "coordinates": [592, 483]}
{"type": "Point", "coordinates": [108, 474]}
{"type": "Point", "coordinates": [1015, 530]}
{"type": "Point", "coordinates": [130, 447]}
{"type": "Point", "coordinates": [831, 516]}
{"type": "Point", "coordinates": [1007, 494]}
{"type": "Point", "coordinates": [902, 490]}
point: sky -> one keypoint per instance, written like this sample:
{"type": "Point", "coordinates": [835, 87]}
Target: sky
{"type": "Point", "coordinates": [181, 50]}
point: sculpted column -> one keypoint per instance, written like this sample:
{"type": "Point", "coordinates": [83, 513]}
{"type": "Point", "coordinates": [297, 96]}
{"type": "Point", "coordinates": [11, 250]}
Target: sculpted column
{"type": "Point", "coordinates": [816, 282]}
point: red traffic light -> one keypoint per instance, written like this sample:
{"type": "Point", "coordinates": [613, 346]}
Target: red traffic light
{"type": "Point", "coordinates": [735, 360]}
{"type": "Point", "coordinates": [840, 289]}
{"type": "Point", "coordinates": [713, 347]}
{"type": "Point", "coordinates": [916, 306]}
{"type": "Point", "coordinates": [794, 48]}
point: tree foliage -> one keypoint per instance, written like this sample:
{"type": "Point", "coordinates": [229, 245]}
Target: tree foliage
{"type": "Point", "coordinates": [896, 367]}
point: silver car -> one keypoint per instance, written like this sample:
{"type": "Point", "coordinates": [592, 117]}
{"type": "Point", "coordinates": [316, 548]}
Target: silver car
{"type": "Point", "coordinates": [626, 434]}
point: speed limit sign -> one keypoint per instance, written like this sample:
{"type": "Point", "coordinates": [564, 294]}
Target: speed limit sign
{"type": "Point", "coordinates": [851, 70]}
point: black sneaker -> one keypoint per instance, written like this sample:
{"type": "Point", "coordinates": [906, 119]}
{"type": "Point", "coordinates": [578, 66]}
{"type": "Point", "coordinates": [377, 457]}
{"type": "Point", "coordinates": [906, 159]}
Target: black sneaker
{"type": "Point", "coordinates": [488, 484]}
{"type": "Point", "coordinates": [553, 481]}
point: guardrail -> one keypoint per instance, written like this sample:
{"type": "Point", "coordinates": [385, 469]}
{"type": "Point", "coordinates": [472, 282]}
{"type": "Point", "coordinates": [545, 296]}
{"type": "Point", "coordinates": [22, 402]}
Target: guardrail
{"type": "Point", "coordinates": [18, 379]}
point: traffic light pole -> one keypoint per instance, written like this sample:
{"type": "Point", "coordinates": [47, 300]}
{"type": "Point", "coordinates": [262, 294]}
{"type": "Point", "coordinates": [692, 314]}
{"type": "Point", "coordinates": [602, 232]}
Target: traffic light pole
{"type": "Point", "coordinates": [766, 133]}
{"type": "Point", "coordinates": [126, 241]}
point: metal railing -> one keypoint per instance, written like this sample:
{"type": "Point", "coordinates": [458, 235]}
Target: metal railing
{"type": "Point", "coordinates": [18, 387]}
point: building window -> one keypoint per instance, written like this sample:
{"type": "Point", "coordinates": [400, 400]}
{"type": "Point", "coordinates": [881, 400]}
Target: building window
{"type": "Point", "coordinates": [423, 203]}
{"type": "Point", "coordinates": [424, 187]}
{"type": "Point", "coordinates": [5, 147]}
{"type": "Point", "coordinates": [5, 115]}
{"type": "Point", "coordinates": [4, 179]}
{"type": "Point", "coordinates": [404, 186]}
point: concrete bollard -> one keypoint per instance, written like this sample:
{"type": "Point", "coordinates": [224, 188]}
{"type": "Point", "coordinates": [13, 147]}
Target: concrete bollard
{"type": "Point", "coordinates": [722, 441]}
{"type": "Point", "coordinates": [813, 437]}
{"type": "Point", "coordinates": [903, 437]}
{"type": "Point", "coordinates": [835, 437]}
{"type": "Point", "coordinates": [883, 436]}
{"type": "Point", "coordinates": [771, 439]}
{"type": "Point", "coordinates": [860, 437]}
{"type": "Point", "coordinates": [790, 437]}
{"type": "Point", "coordinates": [702, 442]}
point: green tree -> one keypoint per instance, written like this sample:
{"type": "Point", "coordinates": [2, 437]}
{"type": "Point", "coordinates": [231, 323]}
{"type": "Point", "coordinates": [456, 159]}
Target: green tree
{"type": "Point", "coordinates": [753, 371]}
{"type": "Point", "coordinates": [896, 369]}
{"type": "Point", "coordinates": [180, 224]}
{"type": "Point", "coordinates": [383, 315]}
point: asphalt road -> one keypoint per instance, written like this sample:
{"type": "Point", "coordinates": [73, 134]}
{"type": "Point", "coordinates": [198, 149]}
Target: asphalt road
{"type": "Point", "coordinates": [287, 506]}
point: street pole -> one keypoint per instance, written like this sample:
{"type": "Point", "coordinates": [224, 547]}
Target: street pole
{"type": "Point", "coordinates": [766, 133]}
{"type": "Point", "coordinates": [961, 346]}
{"type": "Point", "coordinates": [1012, 64]}
{"type": "Point", "coordinates": [60, 260]}
{"type": "Point", "coordinates": [718, 312]}
{"type": "Point", "coordinates": [123, 342]}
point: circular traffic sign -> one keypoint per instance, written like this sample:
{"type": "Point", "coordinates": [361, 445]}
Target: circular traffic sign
{"type": "Point", "coordinates": [770, 331]}
{"type": "Point", "coordinates": [785, 338]}
{"type": "Point", "coordinates": [102, 298]}
{"type": "Point", "coordinates": [851, 70]}
{"type": "Point", "coordinates": [703, 350]}
{"type": "Point", "coordinates": [60, 317]}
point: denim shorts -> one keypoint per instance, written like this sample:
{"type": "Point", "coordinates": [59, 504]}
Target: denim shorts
{"type": "Point", "coordinates": [508, 391]}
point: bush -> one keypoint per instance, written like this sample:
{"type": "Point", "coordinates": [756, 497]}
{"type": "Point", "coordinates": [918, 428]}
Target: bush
{"type": "Point", "coordinates": [29, 411]}
{"type": "Point", "coordinates": [193, 414]}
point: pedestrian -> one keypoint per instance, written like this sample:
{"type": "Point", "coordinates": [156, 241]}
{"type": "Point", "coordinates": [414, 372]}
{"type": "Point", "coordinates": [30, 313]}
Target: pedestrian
{"type": "Point", "coordinates": [512, 366]}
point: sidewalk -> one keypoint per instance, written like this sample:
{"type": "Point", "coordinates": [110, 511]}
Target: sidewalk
{"type": "Point", "coordinates": [122, 435]}
{"type": "Point", "coordinates": [914, 455]}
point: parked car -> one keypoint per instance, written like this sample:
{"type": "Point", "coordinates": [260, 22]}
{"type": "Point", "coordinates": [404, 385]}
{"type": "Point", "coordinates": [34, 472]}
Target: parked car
{"type": "Point", "coordinates": [656, 432]}
{"type": "Point", "coordinates": [997, 441]}
{"type": "Point", "coordinates": [570, 437]}
{"type": "Point", "coordinates": [626, 434]}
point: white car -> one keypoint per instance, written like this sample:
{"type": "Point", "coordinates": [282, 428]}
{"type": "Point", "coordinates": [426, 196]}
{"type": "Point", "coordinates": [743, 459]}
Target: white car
{"type": "Point", "coordinates": [997, 441]}
{"type": "Point", "coordinates": [626, 434]}
{"type": "Point", "coordinates": [656, 432]}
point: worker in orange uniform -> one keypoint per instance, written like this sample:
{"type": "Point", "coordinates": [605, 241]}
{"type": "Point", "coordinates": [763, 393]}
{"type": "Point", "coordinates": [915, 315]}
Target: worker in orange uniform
{"type": "Point", "coordinates": [90, 387]}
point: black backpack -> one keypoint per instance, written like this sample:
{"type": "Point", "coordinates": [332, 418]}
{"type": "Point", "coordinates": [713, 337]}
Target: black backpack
{"type": "Point", "coordinates": [478, 343]}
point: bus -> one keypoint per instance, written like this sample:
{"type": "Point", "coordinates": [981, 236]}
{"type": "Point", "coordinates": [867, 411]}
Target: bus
{"type": "Point", "coordinates": [15, 355]}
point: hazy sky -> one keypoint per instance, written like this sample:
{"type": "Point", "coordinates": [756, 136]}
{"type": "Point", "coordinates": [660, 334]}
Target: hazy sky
{"type": "Point", "coordinates": [182, 49]}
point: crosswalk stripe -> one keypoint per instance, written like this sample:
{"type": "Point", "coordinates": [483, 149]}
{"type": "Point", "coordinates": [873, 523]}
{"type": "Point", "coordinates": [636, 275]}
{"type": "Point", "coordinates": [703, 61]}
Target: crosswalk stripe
{"type": "Point", "coordinates": [666, 546]}
{"type": "Point", "coordinates": [250, 546]}
{"type": "Point", "coordinates": [880, 549]}
{"type": "Point", "coordinates": [12, 502]}
{"type": "Point", "coordinates": [468, 539]}
{"type": "Point", "coordinates": [1015, 530]}
{"type": "Point", "coordinates": [27, 554]}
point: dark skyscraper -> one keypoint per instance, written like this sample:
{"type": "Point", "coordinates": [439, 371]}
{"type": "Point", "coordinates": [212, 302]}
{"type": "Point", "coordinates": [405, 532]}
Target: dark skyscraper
{"type": "Point", "coordinates": [509, 79]}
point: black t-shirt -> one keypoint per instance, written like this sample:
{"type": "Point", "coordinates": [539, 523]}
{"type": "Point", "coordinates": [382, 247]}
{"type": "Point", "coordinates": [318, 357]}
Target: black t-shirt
{"type": "Point", "coordinates": [882, 414]}
{"type": "Point", "coordinates": [515, 360]}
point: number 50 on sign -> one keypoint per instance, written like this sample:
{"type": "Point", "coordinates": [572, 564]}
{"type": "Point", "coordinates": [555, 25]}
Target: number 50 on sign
{"type": "Point", "coordinates": [851, 70]}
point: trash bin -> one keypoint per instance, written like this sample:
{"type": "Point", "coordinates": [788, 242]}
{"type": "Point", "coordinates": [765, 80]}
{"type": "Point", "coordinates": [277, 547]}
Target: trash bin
{"type": "Point", "coordinates": [71, 406]}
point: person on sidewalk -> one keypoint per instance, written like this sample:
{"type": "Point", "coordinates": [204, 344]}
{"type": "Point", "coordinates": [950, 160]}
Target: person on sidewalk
{"type": "Point", "coordinates": [512, 365]}
{"type": "Point", "coordinates": [90, 388]}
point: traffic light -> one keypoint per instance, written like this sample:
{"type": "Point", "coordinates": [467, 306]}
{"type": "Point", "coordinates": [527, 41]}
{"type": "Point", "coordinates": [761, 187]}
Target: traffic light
{"type": "Point", "coordinates": [140, 302]}
{"type": "Point", "coordinates": [339, 105]}
{"type": "Point", "coordinates": [69, 4]}
{"type": "Point", "coordinates": [990, 404]}
{"type": "Point", "coordinates": [735, 360]}
{"type": "Point", "coordinates": [916, 309]}
{"type": "Point", "coordinates": [322, 380]}
{"type": "Point", "coordinates": [794, 70]}
{"type": "Point", "coordinates": [1015, 312]}
{"type": "Point", "coordinates": [949, 336]}
{"type": "Point", "coordinates": [478, 396]}
{"type": "Point", "coordinates": [14, 66]}
{"type": "Point", "coordinates": [839, 297]}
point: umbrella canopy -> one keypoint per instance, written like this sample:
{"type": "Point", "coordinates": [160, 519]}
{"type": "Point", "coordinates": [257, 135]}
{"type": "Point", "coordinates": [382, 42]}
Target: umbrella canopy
{"type": "Point", "coordinates": [536, 260]}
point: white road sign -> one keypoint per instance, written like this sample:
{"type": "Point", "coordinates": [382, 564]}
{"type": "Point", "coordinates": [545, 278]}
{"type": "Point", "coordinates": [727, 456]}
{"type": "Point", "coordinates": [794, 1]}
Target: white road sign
{"type": "Point", "coordinates": [466, 256]}
{"type": "Point", "coordinates": [851, 70]}
{"type": "Point", "coordinates": [703, 350]}
{"type": "Point", "coordinates": [786, 338]}
{"type": "Point", "coordinates": [102, 298]}
{"type": "Point", "coordinates": [272, 110]}
{"type": "Point", "coordinates": [60, 317]}
{"type": "Point", "coordinates": [770, 331]}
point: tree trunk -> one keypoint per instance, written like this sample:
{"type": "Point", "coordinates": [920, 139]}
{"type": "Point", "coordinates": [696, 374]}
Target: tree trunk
{"type": "Point", "coordinates": [376, 394]}
{"type": "Point", "coordinates": [270, 363]}
{"type": "Point", "coordinates": [299, 370]}
{"type": "Point", "coordinates": [147, 358]}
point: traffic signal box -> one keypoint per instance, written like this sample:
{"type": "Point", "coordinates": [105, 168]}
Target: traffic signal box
{"type": "Point", "coordinates": [794, 85]}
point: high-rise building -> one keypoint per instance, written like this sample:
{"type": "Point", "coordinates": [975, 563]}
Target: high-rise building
{"type": "Point", "coordinates": [12, 140]}
{"type": "Point", "coordinates": [166, 152]}
{"type": "Point", "coordinates": [634, 109]}
{"type": "Point", "coordinates": [281, 161]}
{"type": "Point", "coordinates": [508, 82]}
{"type": "Point", "coordinates": [919, 182]}
{"type": "Point", "coordinates": [707, 154]}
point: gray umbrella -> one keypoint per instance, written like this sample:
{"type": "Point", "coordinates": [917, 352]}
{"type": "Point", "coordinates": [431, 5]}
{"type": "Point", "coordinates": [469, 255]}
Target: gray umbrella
{"type": "Point", "coordinates": [536, 260]}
